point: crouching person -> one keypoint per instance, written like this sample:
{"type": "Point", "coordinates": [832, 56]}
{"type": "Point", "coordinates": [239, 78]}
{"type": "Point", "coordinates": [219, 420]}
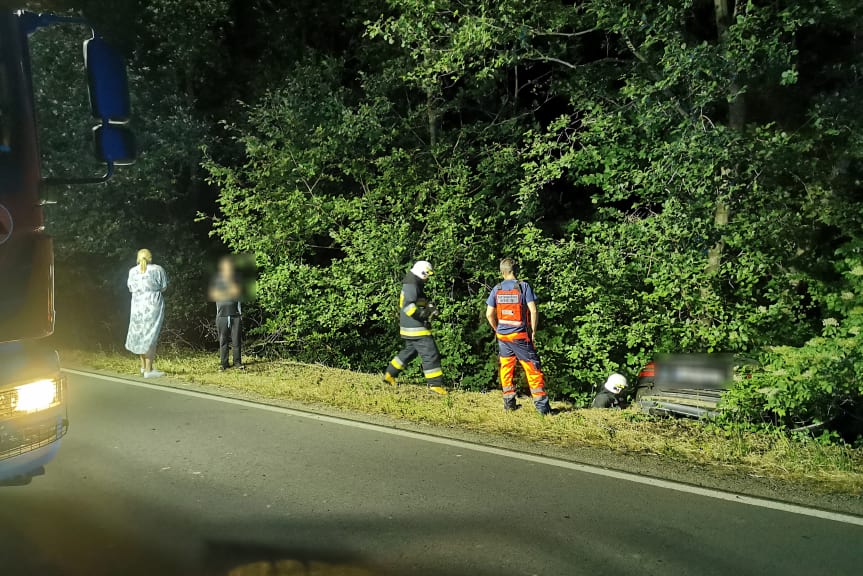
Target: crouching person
{"type": "Point", "coordinates": [609, 396]}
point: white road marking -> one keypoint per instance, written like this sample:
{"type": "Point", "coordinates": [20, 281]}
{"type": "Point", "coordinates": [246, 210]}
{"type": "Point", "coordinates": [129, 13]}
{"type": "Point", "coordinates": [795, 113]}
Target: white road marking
{"type": "Point", "coordinates": [545, 460]}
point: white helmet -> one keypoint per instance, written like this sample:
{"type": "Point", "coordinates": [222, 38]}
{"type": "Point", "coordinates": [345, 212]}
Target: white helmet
{"type": "Point", "coordinates": [615, 383]}
{"type": "Point", "coordinates": [422, 269]}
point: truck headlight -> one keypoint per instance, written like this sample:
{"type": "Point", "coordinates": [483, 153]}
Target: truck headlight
{"type": "Point", "coordinates": [36, 396]}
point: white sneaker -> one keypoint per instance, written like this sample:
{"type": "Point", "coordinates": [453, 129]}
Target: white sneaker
{"type": "Point", "coordinates": [153, 374]}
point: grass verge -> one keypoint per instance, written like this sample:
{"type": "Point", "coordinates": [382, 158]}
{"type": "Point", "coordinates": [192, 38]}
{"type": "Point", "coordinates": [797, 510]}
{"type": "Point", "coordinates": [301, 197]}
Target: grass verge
{"type": "Point", "coordinates": [832, 469]}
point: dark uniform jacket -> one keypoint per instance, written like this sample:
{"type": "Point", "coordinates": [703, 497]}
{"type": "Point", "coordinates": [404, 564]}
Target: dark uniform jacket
{"type": "Point", "coordinates": [605, 399]}
{"type": "Point", "coordinates": [413, 308]}
{"type": "Point", "coordinates": [225, 308]}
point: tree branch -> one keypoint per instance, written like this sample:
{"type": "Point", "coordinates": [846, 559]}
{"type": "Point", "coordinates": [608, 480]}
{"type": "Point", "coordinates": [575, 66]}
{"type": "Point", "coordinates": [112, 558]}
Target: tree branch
{"type": "Point", "coordinates": [569, 65]}
{"type": "Point", "coordinates": [567, 34]}
{"type": "Point", "coordinates": [656, 77]}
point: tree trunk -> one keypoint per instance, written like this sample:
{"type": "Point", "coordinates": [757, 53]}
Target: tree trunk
{"type": "Point", "coordinates": [736, 121]}
{"type": "Point", "coordinates": [194, 158]}
{"type": "Point", "coordinates": [724, 13]}
{"type": "Point", "coordinates": [432, 116]}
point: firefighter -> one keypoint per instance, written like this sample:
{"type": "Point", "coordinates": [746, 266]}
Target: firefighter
{"type": "Point", "coordinates": [511, 312]}
{"type": "Point", "coordinates": [608, 396]}
{"type": "Point", "coordinates": [415, 315]}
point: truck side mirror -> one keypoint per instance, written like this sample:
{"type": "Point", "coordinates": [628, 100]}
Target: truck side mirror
{"type": "Point", "coordinates": [115, 144]}
{"type": "Point", "coordinates": [108, 85]}
{"type": "Point", "coordinates": [107, 81]}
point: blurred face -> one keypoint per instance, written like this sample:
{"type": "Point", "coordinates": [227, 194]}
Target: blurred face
{"type": "Point", "coordinates": [226, 267]}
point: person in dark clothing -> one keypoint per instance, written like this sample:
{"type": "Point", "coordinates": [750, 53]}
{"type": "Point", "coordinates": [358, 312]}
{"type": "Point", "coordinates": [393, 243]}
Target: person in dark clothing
{"type": "Point", "coordinates": [226, 291]}
{"type": "Point", "coordinates": [415, 314]}
{"type": "Point", "coordinates": [608, 396]}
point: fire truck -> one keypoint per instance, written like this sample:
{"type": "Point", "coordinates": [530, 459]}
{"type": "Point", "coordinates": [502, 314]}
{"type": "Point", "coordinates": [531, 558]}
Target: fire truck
{"type": "Point", "coordinates": [33, 407]}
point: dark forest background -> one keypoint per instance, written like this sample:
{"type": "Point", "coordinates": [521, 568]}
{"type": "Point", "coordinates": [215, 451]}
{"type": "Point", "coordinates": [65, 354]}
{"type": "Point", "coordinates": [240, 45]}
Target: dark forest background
{"type": "Point", "coordinates": [673, 176]}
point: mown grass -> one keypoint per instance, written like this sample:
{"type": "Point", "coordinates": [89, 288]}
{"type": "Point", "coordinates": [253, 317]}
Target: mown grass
{"type": "Point", "coordinates": [833, 469]}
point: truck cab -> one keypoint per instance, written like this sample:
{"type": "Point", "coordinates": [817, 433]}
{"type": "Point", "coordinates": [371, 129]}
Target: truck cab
{"type": "Point", "coordinates": [33, 410]}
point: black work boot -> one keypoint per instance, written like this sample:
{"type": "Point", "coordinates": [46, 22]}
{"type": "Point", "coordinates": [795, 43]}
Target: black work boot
{"type": "Point", "coordinates": [542, 406]}
{"type": "Point", "coordinates": [509, 405]}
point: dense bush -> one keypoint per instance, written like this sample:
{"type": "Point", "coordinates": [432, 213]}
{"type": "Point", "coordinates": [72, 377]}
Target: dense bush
{"type": "Point", "coordinates": [671, 179]}
{"type": "Point", "coordinates": [822, 380]}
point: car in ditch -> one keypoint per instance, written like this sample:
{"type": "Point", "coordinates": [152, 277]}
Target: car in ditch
{"type": "Point", "coordinates": [689, 385]}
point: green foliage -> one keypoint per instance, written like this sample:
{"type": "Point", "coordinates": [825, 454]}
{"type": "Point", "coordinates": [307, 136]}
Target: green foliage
{"type": "Point", "coordinates": [670, 177]}
{"type": "Point", "coordinates": [596, 144]}
{"type": "Point", "coordinates": [815, 382]}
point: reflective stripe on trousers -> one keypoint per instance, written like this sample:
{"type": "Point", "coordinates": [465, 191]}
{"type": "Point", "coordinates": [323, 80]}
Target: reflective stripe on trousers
{"type": "Point", "coordinates": [517, 348]}
{"type": "Point", "coordinates": [426, 349]}
{"type": "Point", "coordinates": [414, 332]}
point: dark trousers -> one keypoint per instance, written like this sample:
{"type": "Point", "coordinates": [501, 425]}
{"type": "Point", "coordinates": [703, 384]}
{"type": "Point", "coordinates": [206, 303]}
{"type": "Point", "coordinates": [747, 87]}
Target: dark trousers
{"type": "Point", "coordinates": [425, 347]}
{"type": "Point", "coordinates": [230, 330]}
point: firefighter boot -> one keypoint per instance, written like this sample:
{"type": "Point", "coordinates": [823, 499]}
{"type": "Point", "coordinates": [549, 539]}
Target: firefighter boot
{"type": "Point", "coordinates": [438, 389]}
{"type": "Point", "coordinates": [509, 405]}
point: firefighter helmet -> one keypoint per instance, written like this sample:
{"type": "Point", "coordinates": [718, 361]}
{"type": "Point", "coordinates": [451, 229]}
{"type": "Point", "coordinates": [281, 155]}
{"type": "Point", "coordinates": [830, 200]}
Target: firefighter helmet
{"type": "Point", "coordinates": [615, 383]}
{"type": "Point", "coordinates": [422, 269]}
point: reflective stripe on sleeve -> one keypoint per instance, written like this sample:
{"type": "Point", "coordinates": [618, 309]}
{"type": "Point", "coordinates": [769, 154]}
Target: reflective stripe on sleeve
{"type": "Point", "coordinates": [410, 309]}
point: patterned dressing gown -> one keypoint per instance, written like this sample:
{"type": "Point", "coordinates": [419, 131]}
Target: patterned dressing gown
{"type": "Point", "coordinates": [148, 308]}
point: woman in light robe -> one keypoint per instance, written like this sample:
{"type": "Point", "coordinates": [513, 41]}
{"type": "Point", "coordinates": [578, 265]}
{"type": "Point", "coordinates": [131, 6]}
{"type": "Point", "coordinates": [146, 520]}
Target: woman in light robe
{"type": "Point", "coordinates": [147, 282]}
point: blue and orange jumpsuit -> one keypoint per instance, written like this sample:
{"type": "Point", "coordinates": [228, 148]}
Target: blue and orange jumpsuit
{"type": "Point", "coordinates": [510, 299]}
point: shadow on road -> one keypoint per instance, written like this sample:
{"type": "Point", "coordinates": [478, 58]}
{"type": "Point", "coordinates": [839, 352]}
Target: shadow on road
{"type": "Point", "coordinates": [49, 534]}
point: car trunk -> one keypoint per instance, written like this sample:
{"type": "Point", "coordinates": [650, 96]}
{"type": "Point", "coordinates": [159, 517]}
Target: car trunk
{"type": "Point", "coordinates": [688, 385]}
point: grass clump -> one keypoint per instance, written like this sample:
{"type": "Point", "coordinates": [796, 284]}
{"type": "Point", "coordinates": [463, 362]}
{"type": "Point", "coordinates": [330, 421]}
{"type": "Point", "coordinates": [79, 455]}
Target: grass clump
{"type": "Point", "coordinates": [834, 468]}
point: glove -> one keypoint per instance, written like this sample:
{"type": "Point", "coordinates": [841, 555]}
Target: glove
{"type": "Point", "coordinates": [426, 313]}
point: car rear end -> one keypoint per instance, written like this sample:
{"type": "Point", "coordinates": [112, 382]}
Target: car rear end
{"type": "Point", "coordinates": [689, 385]}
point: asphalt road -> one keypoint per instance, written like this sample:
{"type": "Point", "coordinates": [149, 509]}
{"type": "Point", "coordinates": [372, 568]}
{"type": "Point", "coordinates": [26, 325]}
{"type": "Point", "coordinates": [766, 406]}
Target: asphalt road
{"type": "Point", "coordinates": [154, 483]}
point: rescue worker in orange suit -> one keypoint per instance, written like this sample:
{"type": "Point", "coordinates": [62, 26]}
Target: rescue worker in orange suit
{"type": "Point", "coordinates": [511, 312]}
{"type": "Point", "coordinates": [415, 315]}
